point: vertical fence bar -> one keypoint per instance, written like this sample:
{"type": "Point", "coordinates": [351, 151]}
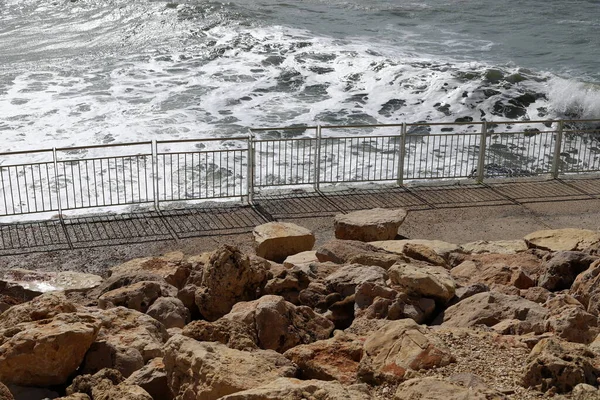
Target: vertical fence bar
{"type": "Point", "coordinates": [56, 182]}
{"type": "Point", "coordinates": [482, 145]}
{"type": "Point", "coordinates": [557, 149]}
{"type": "Point", "coordinates": [318, 158]}
{"type": "Point", "coordinates": [401, 154]}
{"type": "Point", "coordinates": [154, 151]}
{"type": "Point", "coordinates": [250, 176]}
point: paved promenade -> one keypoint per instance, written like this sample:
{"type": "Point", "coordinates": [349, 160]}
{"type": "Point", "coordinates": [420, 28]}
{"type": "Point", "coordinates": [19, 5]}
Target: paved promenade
{"type": "Point", "coordinates": [456, 212]}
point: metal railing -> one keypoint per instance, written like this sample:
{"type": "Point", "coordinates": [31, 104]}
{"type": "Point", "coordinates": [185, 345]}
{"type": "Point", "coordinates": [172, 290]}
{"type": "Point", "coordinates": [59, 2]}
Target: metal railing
{"type": "Point", "coordinates": [158, 172]}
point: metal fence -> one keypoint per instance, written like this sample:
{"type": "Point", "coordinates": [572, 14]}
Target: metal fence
{"type": "Point", "coordinates": [159, 172]}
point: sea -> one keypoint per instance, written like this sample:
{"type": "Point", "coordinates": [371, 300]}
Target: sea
{"type": "Point", "coordinates": [87, 72]}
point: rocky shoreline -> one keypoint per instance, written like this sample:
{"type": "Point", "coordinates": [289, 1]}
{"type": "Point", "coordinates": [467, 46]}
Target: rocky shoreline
{"type": "Point", "coordinates": [363, 316]}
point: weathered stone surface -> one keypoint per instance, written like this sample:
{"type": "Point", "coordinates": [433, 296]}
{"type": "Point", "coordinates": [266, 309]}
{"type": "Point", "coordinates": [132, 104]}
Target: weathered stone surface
{"type": "Point", "coordinates": [209, 371]}
{"type": "Point", "coordinates": [424, 253]}
{"type": "Point", "coordinates": [41, 281]}
{"type": "Point", "coordinates": [423, 280]}
{"type": "Point", "coordinates": [369, 225]}
{"type": "Point", "coordinates": [585, 288]}
{"type": "Point", "coordinates": [46, 352]}
{"type": "Point", "coordinates": [123, 280]}
{"type": "Point", "coordinates": [169, 311]}
{"type": "Point", "coordinates": [562, 269]}
{"type": "Point", "coordinates": [490, 308]}
{"type": "Point", "coordinates": [568, 319]}
{"type": "Point", "coordinates": [356, 252]}
{"type": "Point", "coordinates": [437, 389]}
{"type": "Point", "coordinates": [332, 359]}
{"type": "Point", "coordinates": [400, 346]}
{"type": "Point", "coordinates": [232, 333]}
{"type": "Point", "coordinates": [45, 306]}
{"type": "Point", "coordinates": [583, 391]}
{"type": "Point", "coordinates": [5, 393]}
{"type": "Point", "coordinates": [302, 258]}
{"type": "Point", "coordinates": [107, 384]}
{"type": "Point", "coordinates": [138, 296]}
{"type": "Point", "coordinates": [536, 294]}
{"type": "Point", "coordinates": [173, 267]}
{"type": "Point", "coordinates": [345, 279]}
{"type": "Point", "coordinates": [229, 277]}
{"type": "Point", "coordinates": [85, 383]}
{"type": "Point", "coordinates": [288, 283]}
{"type": "Point", "coordinates": [75, 396]}
{"type": "Point", "coordinates": [295, 389]}
{"type": "Point", "coordinates": [560, 366]}
{"type": "Point", "coordinates": [567, 239]}
{"type": "Point", "coordinates": [443, 249]}
{"type": "Point", "coordinates": [153, 379]}
{"type": "Point", "coordinates": [279, 325]}
{"type": "Point", "coordinates": [125, 336]}
{"type": "Point", "coordinates": [277, 240]}
{"type": "Point", "coordinates": [465, 292]}
{"type": "Point", "coordinates": [495, 246]}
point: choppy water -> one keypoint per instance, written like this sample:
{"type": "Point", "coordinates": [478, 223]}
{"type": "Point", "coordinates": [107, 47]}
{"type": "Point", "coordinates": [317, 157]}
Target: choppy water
{"type": "Point", "coordinates": [99, 71]}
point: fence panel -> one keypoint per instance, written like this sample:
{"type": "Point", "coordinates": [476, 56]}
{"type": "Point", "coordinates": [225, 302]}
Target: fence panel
{"type": "Point", "coordinates": [217, 170]}
{"type": "Point", "coordinates": [580, 150]}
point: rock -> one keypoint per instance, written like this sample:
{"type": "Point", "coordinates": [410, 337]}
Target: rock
{"type": "Point", "coordinates": [562, 269]}
{"type": "Point", "coordinates": [107, 384]}
{"type": "Point", "coordinates": [567, 239]}
{"type": "Point", "coordinates": [39, 282]}
{"type": "Point", "coordinates": [560, 366]}
{"type": "Point", "coordinates": [345, 279]}
{"type": "Point", "coordinates": [209, 371]}
{"type": "Point", "coordinates": [229, 277]}
{"type": "Point", "coordinates": [495, 247]}
{"type": "Point", "coordinates": [336, 358]}
{"type": "Point", "coordinates": [437, 389]}
{"type": "Point", "coordinates": [288, 283]}
{"type": "Point", "coordinates": [355, 252]}
{"type": "Point", "coordinates": [397, 347]}
{"type": "Point", "coordinates": [174, 267]}
{"type": "Point", "coordinates": [583, 391]}
{"type": "Point", "coordinates": [45, 306]}
{"type": "Point", "coordinates": [279, 325]}
{"type": "Point", "coordinates": [295, 389]}
{"type": "Point", "coordinates": [169, 311]}
{"type": "Point", "coordinates": [369, 225]}
{"type": "Point", "coordinates": [234, 334]}
{"type": "Point", "coordinates": [536, 294]}
{"type": "Point", "coordinates": [423, 280]}
{"type": "Point", "coordinates": [277, 240]}
{"type": "Point", "coordinates": [46, 352]}
{"type": "Point", "coordinates": [443, 249]}
{"type": "Point", "coordinates": [568, 319]}
{"type": "Point", "coordinates": [365, 327]}
{"type": "Point", "coordinates": [465, 292]}
{"type": "Point", "coordinates": [30, 392]}
{"type": "Point", "coordinates": [377, 301]}
{"type": "Point", "coordinates": [123, 280]}
{"type": "Point", "coordinates": [75, 396]}
{"type": "Point", "coordinates": [490, 308]}
{"type": "Point", "coordinates": [138, 296]}
{"type": "Point", "coordinates": [585, 288]}
{"type": "Point", "coordinates": [302, 258]}
{"type": "Point", "coordinates": [315, 296]}
{"type": "Point", "coordinates": [421, 252]}
{"type": "Point", "coordinates": [153, 379]}
{"type": "Point", "coordinates": [85, 383]}
{"type": "Point", "coordinates": [5, 393]}
{"type": "Point", "coordinates": [125, 336]}
{"type": "Point", "coordinates": [122, 391]}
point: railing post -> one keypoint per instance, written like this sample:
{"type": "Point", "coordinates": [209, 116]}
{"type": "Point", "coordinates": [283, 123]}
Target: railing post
{"type": "Point", "coordinates": [557, 149]}
{"type": "Point", "coordinates": [318, 158]}
{"type": "Point", "coordinates": [154, 146]}
{"type": "Point", "coordinates": [56, 183]}
{"type": "Point", "coordinates": [401, 154]}
{"type": "Point", "coordinates": [250, 175]}
{"type": "Point", "coordinates": [482, 146]}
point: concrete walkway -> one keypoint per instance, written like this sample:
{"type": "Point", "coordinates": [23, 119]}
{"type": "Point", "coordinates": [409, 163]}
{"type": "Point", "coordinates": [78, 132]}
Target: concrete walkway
{"type": "Point", "coordinates": [457, 212]}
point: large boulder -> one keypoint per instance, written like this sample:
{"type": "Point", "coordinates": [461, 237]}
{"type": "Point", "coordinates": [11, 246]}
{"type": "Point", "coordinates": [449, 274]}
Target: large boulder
{"type": "Point", "coordinates": [138, 296]}
{"type": "Point", "coordinates": [45, 306]}
{"type": "Point", "coordinates": [490, 308]}
{"type": "Point", "coordinates": [153, 379]}
{"type": "Point", "coordinates": [228, 278]}
{"type": "Point", "coordinates": [495, 247]}
{"type": "Point", "coordinates": [279, 325]}
{"type": "Point", "coordinates": [301, 259]}
{"type": "Point", "coordinates": [38, 282]}
{"type": "Point", "coordinates": [45, 352]}
{"type": "Point", "coordinates": [400, 346]}
{"type": "Point", "coordinates": [346, 278]}
{"type": "Point", "coordinates": [562, 268]}
{"type": "Point", "coordinates": [443, 249]}
{"type": "Point", "coordinates": [568, 319]}
{"type": "Point", "coordinates": [567, 239]}
{"type": "Point", "coordinates": [209, 371]}
{"type": "Point", "coordinates": [124, 279]}
{"type": "Point", "coordinates": [173, 267]}
{"type": "Point", "coordinates": [369, 225]}
{"type": "Point", "coordinates": [232, 333]}
{"type": "Point", "coordinates": [436, 389]}
{"type": "Point", "coordinates": [277, 240]}
{"type": "Point", "coordinates": [170, 311]}
{"type": "Point", "coordinates": [586, 288]}
{"type": "Point", "coordinates": [288, 283]}
{"type": "Point", "coordinates": [560, 366]}
{"type": "Point", "coordinates": [106, 384]}
{"type": "Point", "coordinates": [336, 358]}
{"type": "Point", "coordinates": [356, 252]}
{"type": "Point", "coordinates": [423, 280]}
{"type": "Point", "coordinates": [295, 389]}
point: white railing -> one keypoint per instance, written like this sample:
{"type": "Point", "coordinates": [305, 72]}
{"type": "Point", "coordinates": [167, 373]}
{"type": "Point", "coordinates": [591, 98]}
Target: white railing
{"type": "Point", "coordinates": [158, 172]}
